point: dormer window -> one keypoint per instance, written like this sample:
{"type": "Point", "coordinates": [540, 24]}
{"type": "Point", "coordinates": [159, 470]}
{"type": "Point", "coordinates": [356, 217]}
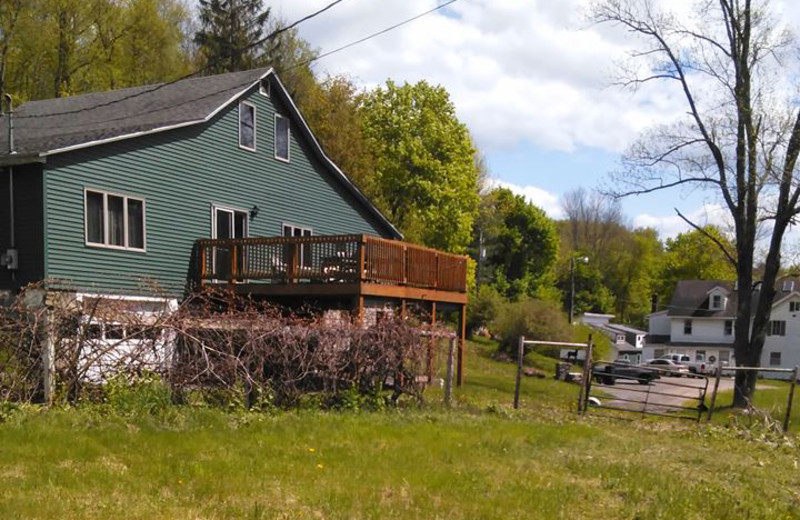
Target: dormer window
{"type": "Point", "coordinates": [717, 302]}
{"type": "Point", "coordinates": [247, 126]}
{"type": "Point", "coordinates": [788, 285]}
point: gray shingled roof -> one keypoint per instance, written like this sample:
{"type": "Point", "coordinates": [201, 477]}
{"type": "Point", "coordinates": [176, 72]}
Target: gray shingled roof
{"type": "Point", "coordinates": [691, 297]}
{"type": "Point", "coordinates": [51, 124]}
{"type": "Point", "coordinates": [42, 127]}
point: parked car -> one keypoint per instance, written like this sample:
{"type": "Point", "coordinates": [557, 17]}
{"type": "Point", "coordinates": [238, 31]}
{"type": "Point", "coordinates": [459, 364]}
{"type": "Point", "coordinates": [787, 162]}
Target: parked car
{"type": "Point", "coordinates": [695, 367]}
{"type": "Point", "coordinates": [668, 366]}
{"type": "Point", "coordinates": [608, 373]}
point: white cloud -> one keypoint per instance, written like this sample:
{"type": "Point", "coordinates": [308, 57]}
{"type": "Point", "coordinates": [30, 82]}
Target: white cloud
{"type": "Point", "coordinates": [545, 200]}
{"type": "Point", "coordinates": [517, 71]}
{"type": "Point", "coordinates": [672, 225]}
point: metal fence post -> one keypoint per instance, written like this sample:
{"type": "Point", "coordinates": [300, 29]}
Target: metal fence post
{"type": "Point", "coordinates": [520, 356]}
{"type": "Point", "coordinates": [583, 402]}
{"type": "Point", "coordinates": [714, 393]}
{"type": "Point", "coordinates": [448, 386]}
{"type": "Point", "coordinates": [791, 398]}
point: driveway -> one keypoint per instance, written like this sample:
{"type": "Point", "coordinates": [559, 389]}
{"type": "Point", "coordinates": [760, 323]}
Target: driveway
{"type": "Point", "coordinates": [662, 395]}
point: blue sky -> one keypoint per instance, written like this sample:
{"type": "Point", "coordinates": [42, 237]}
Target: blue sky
{"type": "Point", "coordinates": [530, 78]}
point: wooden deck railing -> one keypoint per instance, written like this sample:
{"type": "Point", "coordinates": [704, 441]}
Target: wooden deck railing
{"type": "Point", "coordinates": [330, 259]}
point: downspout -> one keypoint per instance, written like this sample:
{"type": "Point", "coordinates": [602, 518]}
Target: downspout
{"type": "Point", "coordinates": [12, 226]}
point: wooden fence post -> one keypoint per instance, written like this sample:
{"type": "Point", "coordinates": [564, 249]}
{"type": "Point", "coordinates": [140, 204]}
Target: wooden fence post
{"type": "Point", "coordinates": [48, 358]}
{"type": "Point", "coordinates": [448, 385]}
{"type": "Point", "coordinates": [791, 398]}
{"type": "Point", "coordinates": [714, 393]}
{"type": "Point", "coordinates": [520, 356]}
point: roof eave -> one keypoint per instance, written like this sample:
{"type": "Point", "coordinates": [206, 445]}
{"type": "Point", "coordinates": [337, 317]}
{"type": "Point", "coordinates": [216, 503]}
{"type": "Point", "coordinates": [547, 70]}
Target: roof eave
{"type": "Point", "coordinates": [17, 159]}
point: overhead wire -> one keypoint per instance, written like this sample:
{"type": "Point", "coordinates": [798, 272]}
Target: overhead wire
{"type": "Point", "coordinates": [375, 34]}
{"type": "Point", "coordinates": [255, 44]}
{"type": "Point", "coordinates": [159, 86]}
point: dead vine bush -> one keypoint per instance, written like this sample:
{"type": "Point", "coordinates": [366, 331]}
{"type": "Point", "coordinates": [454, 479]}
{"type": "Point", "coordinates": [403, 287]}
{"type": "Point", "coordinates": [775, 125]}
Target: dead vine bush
{"type": "Point", "coordinates": [212, 342]}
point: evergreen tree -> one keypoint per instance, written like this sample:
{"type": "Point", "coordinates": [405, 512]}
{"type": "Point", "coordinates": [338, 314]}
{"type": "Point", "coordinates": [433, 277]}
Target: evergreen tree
{"type": "Point", "coordinates": [229, 34]}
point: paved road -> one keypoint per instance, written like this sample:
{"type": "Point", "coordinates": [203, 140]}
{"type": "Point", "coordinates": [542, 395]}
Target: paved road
{"type": "Point", "coordinates": [662, 395]}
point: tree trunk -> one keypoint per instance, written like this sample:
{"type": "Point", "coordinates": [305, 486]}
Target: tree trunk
{"type": "Point", "coordinates": [744, 384]}
{"type": "Point", "coordinates": [61, 80]}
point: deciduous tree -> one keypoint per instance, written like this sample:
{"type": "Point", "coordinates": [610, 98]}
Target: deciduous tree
{"type": "Point", "coordinates": [426, 176]}
{"type": "Point", "coordinates": [690, 256]}
{"type": "Point", "coordinates": [521, 244]}
{"type": "Point", "coordinates": [732, 61]}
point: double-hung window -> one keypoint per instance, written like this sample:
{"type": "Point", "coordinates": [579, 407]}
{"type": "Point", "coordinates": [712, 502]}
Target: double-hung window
{"type": "Point", "coordinates": [116, 221]}
{"type": "Point", "coordinates": [687, 327]}
{"type": "Point", "coordinates": [247, 126]}
{"type": "Point", "coordinates": [281, 137]}
{"type": "Point", "coordinates": [776, 328]}
{"type": "Point", "coordinates": [728, 327]}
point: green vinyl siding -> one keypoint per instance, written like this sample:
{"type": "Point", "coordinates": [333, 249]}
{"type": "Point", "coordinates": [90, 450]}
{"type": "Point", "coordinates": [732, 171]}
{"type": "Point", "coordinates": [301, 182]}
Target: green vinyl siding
{"type": "Point", "coordinates": [181, 173]}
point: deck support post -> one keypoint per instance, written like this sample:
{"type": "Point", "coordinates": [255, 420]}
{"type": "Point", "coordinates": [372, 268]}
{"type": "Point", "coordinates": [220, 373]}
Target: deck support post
{"type": "Point", "coordinates": [430, 344]}
{"type": "Point", "coordinates": [359, 305]}
{"type": "Point", "coordinates": [462, 326]}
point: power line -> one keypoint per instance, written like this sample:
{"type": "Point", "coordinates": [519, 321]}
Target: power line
{"type": "Point", "coordinates": [268, 37]}
{"type": "Point", "coordinates": [373, 35]}
{"type": "Point", "coordinates": [293, 25]}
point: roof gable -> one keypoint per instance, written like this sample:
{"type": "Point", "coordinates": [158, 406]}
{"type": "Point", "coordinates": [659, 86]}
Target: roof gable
{"type": "Point", "coordinates": [55, 126]}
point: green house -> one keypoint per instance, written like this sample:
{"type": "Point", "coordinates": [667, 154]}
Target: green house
{"type": "Point", "coordinates": [213, 180]}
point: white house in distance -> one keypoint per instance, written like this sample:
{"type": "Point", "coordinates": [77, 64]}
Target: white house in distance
{"type": "Point", "coordinates": [627, 342]}
{"type": "Point", "coordinates": [699, 323]}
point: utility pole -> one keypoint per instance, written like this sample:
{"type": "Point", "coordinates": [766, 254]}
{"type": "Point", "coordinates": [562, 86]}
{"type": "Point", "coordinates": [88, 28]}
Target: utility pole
{"type": "Point", "coordinates": [585, 260]}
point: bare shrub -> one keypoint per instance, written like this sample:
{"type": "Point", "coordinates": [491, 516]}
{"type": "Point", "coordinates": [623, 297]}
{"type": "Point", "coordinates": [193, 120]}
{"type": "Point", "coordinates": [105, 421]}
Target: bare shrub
{"type": "Point", "coordinates": [213, 343]}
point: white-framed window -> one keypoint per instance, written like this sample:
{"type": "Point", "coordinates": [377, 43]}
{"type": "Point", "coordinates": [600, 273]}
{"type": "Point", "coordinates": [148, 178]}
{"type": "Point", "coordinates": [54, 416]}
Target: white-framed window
{"type": "Point", "coordinates": [114, 220]}
{"type": "Point", "coordinates": [776, 328]}
{"type": "Point", "coordinates": [774, 359]}
{"type": "Point", "coordinates": [228, 223]}
{"type": "Point", "coordinates": [290, 230]}
{"type": "Point", "coordinates": [728, 327]}
{"type": "Point", "coordinates": [281, 137]}
{"type": "Point", "coordinates": [264, 88]}
{"type": "Point", "coordinates": [247, 126]}
{"type": "Point", "coordinates": [687, 327]}
{"type": "Point", "coordinates": [794, 306]}
{"type": "Point", "coordinates": [788, 285]}
{"type": "Point", "coordinates": [716, 302]}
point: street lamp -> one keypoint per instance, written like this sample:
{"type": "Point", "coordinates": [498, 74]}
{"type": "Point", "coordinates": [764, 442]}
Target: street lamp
{"type": "Point", "coordinates": [585, 260]}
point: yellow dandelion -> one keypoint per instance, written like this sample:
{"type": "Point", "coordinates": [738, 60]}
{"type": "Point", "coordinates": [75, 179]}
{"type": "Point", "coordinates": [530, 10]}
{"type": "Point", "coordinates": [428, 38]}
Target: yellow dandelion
{"type": "Point", "coordinates": [311, 450]}
{"type": "Point", "coordinates": [320, 466]}
{"type": "Point", "coordinates": [180, 481]}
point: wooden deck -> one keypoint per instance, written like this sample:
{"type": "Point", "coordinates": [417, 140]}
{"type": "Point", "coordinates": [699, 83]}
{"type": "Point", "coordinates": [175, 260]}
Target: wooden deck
{"type": "Point", "coordinates": [335, 265]}
{"type": "Point", "coordinates": [345, 267]}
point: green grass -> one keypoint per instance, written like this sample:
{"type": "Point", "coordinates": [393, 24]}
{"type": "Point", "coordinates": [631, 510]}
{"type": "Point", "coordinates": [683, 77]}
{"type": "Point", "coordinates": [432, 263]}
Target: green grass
{"type": "Point", "coordinates": [771, 398]}
{"type": "Point", "coordinates": [479, 460]}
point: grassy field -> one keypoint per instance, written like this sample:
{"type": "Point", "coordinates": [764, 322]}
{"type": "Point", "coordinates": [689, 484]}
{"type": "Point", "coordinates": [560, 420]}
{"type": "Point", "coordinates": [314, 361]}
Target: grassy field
{"type": "Point", "coordinates": [478, 460]}
{"type": "Point", "coordinates": [771, 398]}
